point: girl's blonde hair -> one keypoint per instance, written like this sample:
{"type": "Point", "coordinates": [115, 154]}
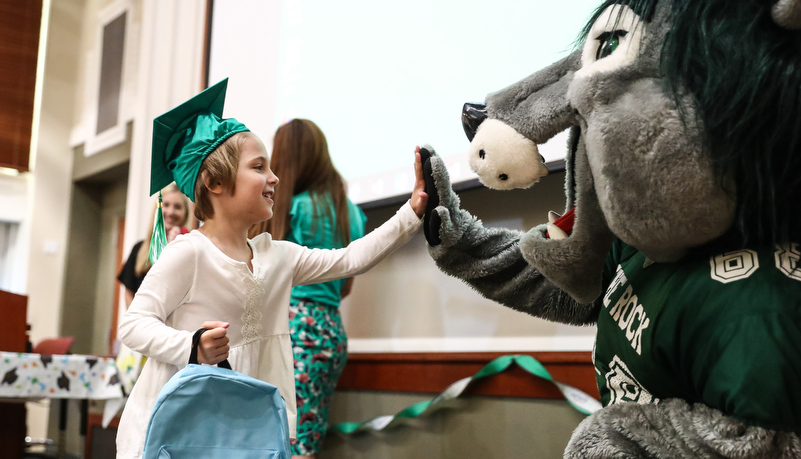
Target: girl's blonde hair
{"type": "Point", "coordinates": [220, 166]}
{"type": "Point", "coordinates": [301, 160]}
{"type": "Point", "coordinates": [142, 258]}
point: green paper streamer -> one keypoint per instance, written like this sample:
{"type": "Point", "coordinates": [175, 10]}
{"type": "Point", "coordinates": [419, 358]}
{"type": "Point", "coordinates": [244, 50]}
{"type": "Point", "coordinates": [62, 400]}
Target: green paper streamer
{"type": "Point", "coordinates": [159, 239]}
{"type": "Point", "coordinates": [579, 400]}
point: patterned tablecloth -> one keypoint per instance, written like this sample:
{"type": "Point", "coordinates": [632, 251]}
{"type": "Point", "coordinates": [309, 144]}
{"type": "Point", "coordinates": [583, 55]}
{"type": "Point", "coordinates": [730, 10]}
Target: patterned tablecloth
{"type": "Point", "coordinates": [36, 376]}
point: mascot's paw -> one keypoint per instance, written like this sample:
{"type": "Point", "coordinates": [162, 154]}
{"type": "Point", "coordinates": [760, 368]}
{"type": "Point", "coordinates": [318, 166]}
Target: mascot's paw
{"type": "Point", "coordinates": [431, 220]}
{"type": "Point", "coordinates": [675, 429]}
{"type": "Point", "coordinates": [503, 158]}
{"type": "Point", "coordinates": [443, 220]}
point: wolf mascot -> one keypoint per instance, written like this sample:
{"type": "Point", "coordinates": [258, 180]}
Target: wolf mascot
{"type": "Point", "coordinates": [683, 176]}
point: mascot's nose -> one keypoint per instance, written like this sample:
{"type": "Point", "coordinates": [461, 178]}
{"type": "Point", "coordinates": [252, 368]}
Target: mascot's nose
{"type": "Point", "coordinates": [472, 116]}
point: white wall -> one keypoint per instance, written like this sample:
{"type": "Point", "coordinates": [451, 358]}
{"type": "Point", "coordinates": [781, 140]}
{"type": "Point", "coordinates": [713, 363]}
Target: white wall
{"type": "Point", "coordinates": [52, 170]}
{"type": "Point", "coordinates": [381, 77]}
{"type": "Point", "coordinates": [50, 181]}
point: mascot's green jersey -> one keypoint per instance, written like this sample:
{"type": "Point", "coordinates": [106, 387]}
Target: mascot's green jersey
{"type": "Point", "coordinates": [723, 330]}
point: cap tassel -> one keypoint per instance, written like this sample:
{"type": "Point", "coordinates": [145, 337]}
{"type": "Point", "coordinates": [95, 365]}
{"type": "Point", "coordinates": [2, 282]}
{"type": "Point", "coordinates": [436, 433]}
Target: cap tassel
{"type": "Point", "coordinates": [159, 239]}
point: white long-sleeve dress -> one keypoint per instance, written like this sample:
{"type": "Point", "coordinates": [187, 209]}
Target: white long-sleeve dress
{"type": "Point", "coordinates": [193, 282]}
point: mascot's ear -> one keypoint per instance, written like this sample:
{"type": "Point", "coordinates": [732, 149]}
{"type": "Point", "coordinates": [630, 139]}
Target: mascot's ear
{"type": "Point", "coordinates": [787, 14]}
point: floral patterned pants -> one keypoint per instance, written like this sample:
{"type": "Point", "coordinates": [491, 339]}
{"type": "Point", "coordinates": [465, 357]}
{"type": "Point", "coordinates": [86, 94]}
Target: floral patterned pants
{"type": "Point", "coordinates": [320, 348]}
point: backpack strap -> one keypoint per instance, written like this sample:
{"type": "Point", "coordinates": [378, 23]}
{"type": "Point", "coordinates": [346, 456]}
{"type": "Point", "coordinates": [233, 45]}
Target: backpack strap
{"type": "Point", "coordinates": [196, 342]}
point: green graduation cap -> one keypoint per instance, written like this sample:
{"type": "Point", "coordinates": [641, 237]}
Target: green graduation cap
{"type": "Point", "coordinates": [184, 136]}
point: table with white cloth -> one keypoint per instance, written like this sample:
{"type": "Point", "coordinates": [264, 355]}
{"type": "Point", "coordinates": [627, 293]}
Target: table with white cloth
{"type": "Point", "coordinates": [29, 377]}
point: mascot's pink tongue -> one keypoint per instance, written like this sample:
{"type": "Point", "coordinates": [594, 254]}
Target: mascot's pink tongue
{"type": "Point", "coordinates": [565, 222]}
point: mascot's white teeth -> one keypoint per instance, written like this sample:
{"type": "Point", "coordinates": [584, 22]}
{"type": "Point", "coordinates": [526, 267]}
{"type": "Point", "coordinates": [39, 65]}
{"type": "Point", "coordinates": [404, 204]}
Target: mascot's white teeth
{"type": "Point", "coordinates": [503, 158]}
{"type": "Point", "coordinates": [561, 226]}
{"type": "Point", "coordinates": [556, 233]}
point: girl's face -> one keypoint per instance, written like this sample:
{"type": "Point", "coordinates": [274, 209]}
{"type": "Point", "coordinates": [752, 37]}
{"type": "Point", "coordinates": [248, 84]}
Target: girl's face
{"type": "Point", "coordinates": [255, 183]}
{"type": "Point", "coordinates": [173, 207]}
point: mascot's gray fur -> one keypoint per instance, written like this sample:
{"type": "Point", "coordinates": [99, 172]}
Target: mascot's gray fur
{"type": "Point", "coordinates": [638, 170]}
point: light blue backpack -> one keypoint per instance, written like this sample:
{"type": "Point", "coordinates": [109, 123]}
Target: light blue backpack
{"type": "Point", "coordinates": [215, 413]}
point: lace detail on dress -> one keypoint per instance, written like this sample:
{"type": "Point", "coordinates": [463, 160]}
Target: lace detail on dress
{"type": "Point", "coordinates": [251, 317]}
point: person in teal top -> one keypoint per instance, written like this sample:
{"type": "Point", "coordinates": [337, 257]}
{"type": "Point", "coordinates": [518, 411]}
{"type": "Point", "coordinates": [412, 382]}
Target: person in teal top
{"type": "Point", "coordinates": [722, 329]}
{"type": "Point", "coordinates": [312, 209]}
{"type": "Point", "coordinates": [307, 228]}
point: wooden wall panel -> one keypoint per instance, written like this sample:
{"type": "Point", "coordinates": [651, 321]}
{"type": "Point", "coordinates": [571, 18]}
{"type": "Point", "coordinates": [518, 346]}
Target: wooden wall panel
{"type": "Point", "coordinates": [433, 372]}
{"type": "Point", "coordinates": [19, 47]}
{"type": "Point", "coordinates": [13, 338]}
{"type": "Point", "coordinates": [13, 325]}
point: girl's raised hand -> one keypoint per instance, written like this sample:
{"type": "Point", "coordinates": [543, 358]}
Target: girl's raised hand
{"type": "Point", "coordinates": [213, 347]}
{"type": "Point", "coordinates": [419, 197]}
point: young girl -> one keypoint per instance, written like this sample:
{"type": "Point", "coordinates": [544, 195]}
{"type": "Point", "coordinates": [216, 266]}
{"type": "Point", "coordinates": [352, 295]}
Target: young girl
{"type": "Point", "coordinates": [216, 278]}
{"type": "Point", "coordinates": [312, 209]}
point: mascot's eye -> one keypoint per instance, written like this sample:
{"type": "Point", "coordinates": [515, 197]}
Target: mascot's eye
{"type": "Point", "coordinates": [608, 43]}
{"type": "Point", "coordinates": [613, 41]}
{"type": "Point", "coordinates": [481, 154]}
{"type": "Point", "coordinates": [503, 177]}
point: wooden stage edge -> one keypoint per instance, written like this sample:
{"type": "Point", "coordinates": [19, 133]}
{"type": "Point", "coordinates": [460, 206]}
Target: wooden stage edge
{"type": "Point", "coordinates": [433, 372]}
